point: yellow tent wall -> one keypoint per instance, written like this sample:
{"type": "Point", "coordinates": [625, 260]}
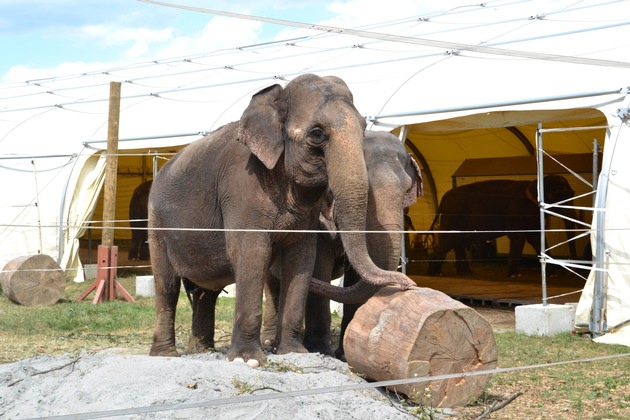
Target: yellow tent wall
{"type": "Point", "coordinates": [442, 146]}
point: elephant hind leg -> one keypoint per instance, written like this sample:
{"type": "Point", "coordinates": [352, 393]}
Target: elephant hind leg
{"type": "Point", "coordinates": [203, 320]}
{"type": "Point", "coordinates": [167, 295]}
{"type": "Point", "coordinates": [167, 287]}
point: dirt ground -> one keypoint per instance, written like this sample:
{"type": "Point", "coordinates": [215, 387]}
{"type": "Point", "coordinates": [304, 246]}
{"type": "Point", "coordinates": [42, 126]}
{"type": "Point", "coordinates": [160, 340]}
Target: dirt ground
{"type": "Point", "coordinates": [117, 384]}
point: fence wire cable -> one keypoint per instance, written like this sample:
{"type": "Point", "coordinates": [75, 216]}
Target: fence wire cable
{"type": "Point", "coordinates": [317, 391]}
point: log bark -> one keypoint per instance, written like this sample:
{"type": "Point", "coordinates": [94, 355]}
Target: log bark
{"type": "Point", "coordinates": [421, 332]}
{"type": "Point", "coordinates": [33, 280]}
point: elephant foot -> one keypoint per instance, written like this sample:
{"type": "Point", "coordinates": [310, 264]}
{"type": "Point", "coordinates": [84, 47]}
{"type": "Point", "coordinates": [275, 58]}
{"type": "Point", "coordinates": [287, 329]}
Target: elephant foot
{"type": "Point", "coordinates": [339, 354]}
{"type": "Point", "coordinates": [321, 347]}
{"type": "Point", "coordinates": [163, 351]}
{"type": "Point", "coordinates": [253, 356]}
{"type": "Point", "coordinates": [200, 346]}
{"type": "Point", "coordinates": [293, 347]}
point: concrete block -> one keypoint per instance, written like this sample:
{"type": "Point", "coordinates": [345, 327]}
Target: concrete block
{"type": "Point", "coordinates": [145, 286]}
{"type": "Point", "coordinates": [544, 320]}
{"type": "Point", "coordinates": [89, 270]}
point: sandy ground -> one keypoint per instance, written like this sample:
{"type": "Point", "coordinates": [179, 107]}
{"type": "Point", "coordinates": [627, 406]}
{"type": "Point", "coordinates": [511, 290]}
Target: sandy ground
{"type": "Point", "coordinates": [199, 386]}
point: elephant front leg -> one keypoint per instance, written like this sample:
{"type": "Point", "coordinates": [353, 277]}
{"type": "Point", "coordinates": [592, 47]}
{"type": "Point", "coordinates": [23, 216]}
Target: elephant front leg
{"type": "Point", "coordinates": [252, 255]}
{"type": "Point", "coordinates": [517, 243]}
{"type": "Point", "coordinates": [135, 244]}
{"type": "Point", "coordinates": [317, 318]}
{"type": "Point", "coordinates": [203, 320]}
{"type": "Point", "coordinates": [297, 269]}
{"type": "Point", "coordinates": [317, 325]}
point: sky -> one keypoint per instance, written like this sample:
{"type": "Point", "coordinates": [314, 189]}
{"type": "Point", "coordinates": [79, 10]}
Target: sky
{"type": "Point", "coordinates": [54, 37]}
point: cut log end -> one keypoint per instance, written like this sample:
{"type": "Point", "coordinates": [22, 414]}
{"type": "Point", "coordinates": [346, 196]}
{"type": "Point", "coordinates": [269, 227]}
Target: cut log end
{"type": "Point", "coordinates": [33, 280]}
{"type": "Point", "coordinates": [422, 332]}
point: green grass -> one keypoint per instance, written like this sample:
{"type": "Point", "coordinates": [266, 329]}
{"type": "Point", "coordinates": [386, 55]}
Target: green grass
{"type": "Point", "coordinates": [71, 326]}
{"type": "Point", "coordinates": [598, 389]}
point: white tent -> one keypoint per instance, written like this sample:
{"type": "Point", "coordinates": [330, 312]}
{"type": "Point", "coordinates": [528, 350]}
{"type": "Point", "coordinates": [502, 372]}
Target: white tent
{"type": "Point", "coordinates": [454, 83]}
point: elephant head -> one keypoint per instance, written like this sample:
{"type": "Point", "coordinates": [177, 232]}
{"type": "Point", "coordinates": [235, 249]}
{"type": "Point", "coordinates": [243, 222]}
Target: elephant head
{"type": "Point", "coordinates": [313, 123]}
{"type": "Point", "coordinates": [395, 183]}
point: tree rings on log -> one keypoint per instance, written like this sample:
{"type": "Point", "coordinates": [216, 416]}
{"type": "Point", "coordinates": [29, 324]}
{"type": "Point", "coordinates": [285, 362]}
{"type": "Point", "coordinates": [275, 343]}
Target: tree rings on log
{"type": "Point", "coordinates": [33, 280]}
{"type": "Point", "coordinates": [422, 332]}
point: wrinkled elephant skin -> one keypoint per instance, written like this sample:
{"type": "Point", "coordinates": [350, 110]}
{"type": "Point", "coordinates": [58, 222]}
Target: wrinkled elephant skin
{"type": "Point", "coordinates": [394, 183]}
{"type": "Point", "coordinates": [496, 208]}
{"type": "Point", "coordinates": [215, 210]}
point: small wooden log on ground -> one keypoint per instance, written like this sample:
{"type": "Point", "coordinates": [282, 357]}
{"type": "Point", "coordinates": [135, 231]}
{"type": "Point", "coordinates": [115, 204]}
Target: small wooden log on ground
{"type": "Point", "coordinates": [422, 332]}
{"type": "Point", "coordinates": [33, 280]}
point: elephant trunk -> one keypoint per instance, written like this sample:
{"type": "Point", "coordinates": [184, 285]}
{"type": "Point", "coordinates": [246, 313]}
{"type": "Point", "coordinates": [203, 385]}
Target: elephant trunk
{"type": "Point", "coordinates": [386, 255]}
{"type": "Point", "coordinates": [356, 294]}
{"type": "Point", "coordinates": [347, 178]}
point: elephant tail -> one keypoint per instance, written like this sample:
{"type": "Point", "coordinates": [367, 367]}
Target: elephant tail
{"type": "Point", "coordinates": [358, 293]}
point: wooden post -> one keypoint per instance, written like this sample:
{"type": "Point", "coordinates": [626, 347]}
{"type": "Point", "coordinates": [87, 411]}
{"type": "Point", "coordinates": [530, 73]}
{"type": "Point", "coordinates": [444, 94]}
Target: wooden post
{"type": "Point", "coordinates": [106, 284]}
{"type": "Point", "coordinates": [111, 165]}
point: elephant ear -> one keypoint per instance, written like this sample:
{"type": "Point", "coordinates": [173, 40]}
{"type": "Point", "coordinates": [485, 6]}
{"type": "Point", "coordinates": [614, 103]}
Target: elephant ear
{"type": "Point", "coordinates": [417, 187]}
{"type": "Point", "coordinates": [260, 126]}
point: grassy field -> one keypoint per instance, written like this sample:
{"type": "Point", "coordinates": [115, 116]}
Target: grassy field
{"type": "Point", "coordinates": [598, 390]}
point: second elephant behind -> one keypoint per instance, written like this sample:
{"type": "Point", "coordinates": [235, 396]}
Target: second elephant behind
{"type": "Point", "coordinates": [491, 209]}
{"type": "Point", "coordinates": [394, 183]}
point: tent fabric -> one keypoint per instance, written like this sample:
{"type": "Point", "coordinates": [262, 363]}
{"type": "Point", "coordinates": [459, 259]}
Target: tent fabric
{"type": "Point", "coordinates": [616, 176]}
{"type": "Point", "coordinates": [509, 66]}
{"type": "Point", "coordinates": [87, 187]}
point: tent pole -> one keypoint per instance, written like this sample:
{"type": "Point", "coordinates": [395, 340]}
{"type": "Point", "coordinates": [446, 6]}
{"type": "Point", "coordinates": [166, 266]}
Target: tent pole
{"type": "Point", "coordinates": [541, 202]}
{"type": "Point", "coordinates": [38, 205]}
{"type": "Point", "coordinates": [597, 311]}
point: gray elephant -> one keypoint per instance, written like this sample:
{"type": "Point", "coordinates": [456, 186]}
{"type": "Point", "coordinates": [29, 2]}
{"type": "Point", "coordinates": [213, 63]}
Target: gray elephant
{"type": "Point", "coordinates": [394, 184]}
{"type": "Point", "coordinates": [496, 208]}
{"type": "Point", "coordinates": [138, 213]}
{"type": "Point", "coordinates": [218, 209]}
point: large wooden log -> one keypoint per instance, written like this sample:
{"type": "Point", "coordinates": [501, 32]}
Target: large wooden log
{"type": "Point", "coordinates": [33, 280]}
{"type": "Point", "coordinates": [421, 332]}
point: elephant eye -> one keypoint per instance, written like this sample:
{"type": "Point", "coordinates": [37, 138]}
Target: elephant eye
{"type": "Point", "coordinates": [317, 136]}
